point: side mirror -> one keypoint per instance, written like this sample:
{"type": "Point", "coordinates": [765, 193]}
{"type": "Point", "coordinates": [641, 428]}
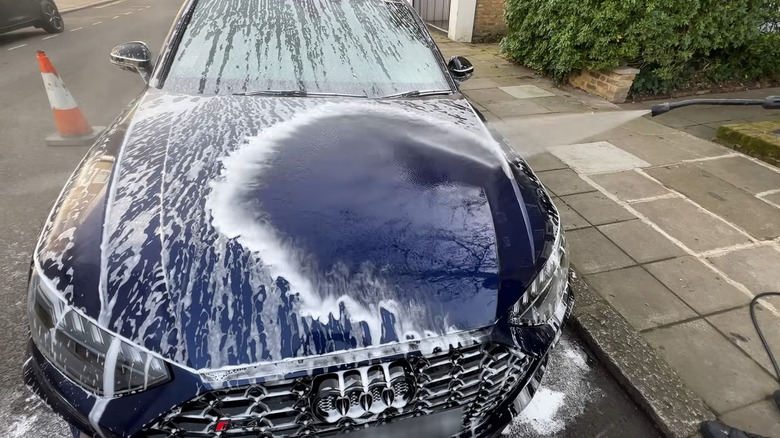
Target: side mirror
{"type": "Point", "coordinates": [134, 56]}
{"type": "Point", "coordinates": [460, 68]}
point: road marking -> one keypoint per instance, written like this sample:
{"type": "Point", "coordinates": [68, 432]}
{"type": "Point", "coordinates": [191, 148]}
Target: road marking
{"type": "Point", "coordinates": [148, 6]}
{"type": "Point", "coordinates": [139, 10]}
{"type": "Point", "coordinates": [653, 198]}
{"type": "Point", "coordinates": [78, 28]}
{"type": "Point", "coordinates": [49, 37]}
{"type": "Point", "coordinates": [767, 193]}
{"type": "Point", "coordinates": [17, 47]}
{"type": "Point", "coordinates": [128, 13]}
{"type": "Point", "coordinates": [110, 4]}
{"type": "Point", "coordinates": [115, 17]}
{"type": "Point", "coordinates": [96, 23]}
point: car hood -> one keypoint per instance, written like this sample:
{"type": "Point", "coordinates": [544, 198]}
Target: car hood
{"type": "Point", "coordinates": [224, 231]}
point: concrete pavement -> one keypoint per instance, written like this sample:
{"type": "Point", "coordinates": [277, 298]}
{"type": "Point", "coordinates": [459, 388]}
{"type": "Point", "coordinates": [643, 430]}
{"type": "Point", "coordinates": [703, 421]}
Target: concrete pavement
{"type": "Point", "coordinates": [675, 233]}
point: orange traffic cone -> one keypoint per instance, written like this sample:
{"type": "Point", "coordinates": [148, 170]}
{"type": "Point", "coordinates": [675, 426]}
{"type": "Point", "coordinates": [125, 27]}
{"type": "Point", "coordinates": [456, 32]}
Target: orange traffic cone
{"type": "Point", "coordinates": [72, 127]}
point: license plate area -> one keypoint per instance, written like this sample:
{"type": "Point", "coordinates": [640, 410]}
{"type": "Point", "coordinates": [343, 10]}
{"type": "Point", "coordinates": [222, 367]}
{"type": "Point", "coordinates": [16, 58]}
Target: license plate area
{"type": "Point", "coordinates": [438, 425]}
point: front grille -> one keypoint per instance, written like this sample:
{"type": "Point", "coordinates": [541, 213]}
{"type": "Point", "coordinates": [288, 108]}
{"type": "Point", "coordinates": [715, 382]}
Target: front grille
{"type": "Point", "coordinates": [475, 379]}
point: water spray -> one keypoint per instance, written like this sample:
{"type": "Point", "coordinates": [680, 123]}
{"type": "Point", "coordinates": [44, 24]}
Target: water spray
{"type": "Point", "coordinates": [770, 102]}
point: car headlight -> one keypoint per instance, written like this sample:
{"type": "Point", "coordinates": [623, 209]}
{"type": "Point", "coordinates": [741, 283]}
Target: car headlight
{"type": "Point", "coordinates": [543, 297]}
{"type": "Point", "coordinates": [87, 354]}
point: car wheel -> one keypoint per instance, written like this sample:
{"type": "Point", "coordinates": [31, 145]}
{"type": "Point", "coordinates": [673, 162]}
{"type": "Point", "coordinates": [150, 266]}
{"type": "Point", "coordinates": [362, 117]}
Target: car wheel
{"type": "Point", "coordinates": [51, 20]}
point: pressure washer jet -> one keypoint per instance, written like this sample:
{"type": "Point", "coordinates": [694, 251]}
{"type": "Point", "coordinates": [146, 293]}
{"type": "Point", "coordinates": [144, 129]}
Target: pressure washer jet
{"type": "Point", "coordinates": [716, 429]}
{"type": "Point", "coordinates": [72, 126]}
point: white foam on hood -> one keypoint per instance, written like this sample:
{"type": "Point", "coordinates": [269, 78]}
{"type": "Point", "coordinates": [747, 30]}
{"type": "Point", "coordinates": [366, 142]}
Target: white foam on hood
{"type": "Point", "coordinates": [321, 296]}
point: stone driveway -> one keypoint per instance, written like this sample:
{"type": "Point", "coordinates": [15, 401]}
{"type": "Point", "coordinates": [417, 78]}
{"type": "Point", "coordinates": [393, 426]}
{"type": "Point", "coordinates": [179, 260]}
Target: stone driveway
{"type": "Point", "coordinates": [675, 232]}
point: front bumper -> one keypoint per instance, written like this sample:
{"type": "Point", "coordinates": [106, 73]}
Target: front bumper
{"type": "Point", "coordinates": [136, 415]}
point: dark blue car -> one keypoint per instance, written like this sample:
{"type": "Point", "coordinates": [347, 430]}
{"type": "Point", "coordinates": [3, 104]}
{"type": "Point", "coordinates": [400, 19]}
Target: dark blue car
{"type": "Point", "coordinates": [301, 228]}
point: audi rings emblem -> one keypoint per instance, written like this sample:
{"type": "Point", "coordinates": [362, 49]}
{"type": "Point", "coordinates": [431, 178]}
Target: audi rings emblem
{"type": "Point", "coordinates": [363, 392]}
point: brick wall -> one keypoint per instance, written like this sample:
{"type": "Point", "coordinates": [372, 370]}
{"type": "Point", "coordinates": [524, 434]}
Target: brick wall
{"type": "Point", "coordinates": [489, 24]}
{"type": "Point", "coordinates": [612, 85]}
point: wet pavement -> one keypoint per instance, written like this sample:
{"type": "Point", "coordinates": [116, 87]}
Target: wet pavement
{"type": "Point", "coordinates": [675, 232]}
{"type": "Point", "coordinates": [579, 398]}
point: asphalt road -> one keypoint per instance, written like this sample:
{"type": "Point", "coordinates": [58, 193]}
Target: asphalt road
{"type": "Point", "coordinates": [579, 398]}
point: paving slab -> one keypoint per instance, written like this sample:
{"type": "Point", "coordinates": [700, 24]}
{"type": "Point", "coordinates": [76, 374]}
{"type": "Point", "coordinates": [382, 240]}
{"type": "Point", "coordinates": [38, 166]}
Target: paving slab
{"type": "Point", "coordinates": [719, 372]}
{"type": "Point", "coordinates": [544, 161]}
{"type": "Point", "coordinates": [592, 252]}
{"type": "Point", "coordinates": [526, 91]}
{"type": "Point", "coordinates": [697, 284]}
{"type": "Point", "coordinates": [489, 70]}
{"type": "Point", "coordinates": [685, 222]}
{"type": "Point", "coordinates": [744, 210]}
{"type": "Point", "coordinates": [695, 145]}
{"type": "Point", "coordinates": [515, 108]}
{"type": "Point", "coordinates": [521, 79]}
{"type": "Point", "coordinates": [485, 56]}
{"type": "Point", "coordinates": [612, 133]}
{"type": "Point", "coordinates": [743, 173]}
{"type": "Point", "coordinates": [640, 298]}
{"type": "Point", "coordinates": [757, 268]}
{"type": "Point", "coordinates": [596, 157]}
{"type": "Point", "coordinates": [737, 326]}
{"type": "Point", "coordinates": [649, 380]}
{"type": "Point", "coordinates": [710, 114]}
{"type": "Point", "coordinates": [489, 117]}
{"type": "Point", "coordinates": [629, 185]}
{"type": "Point", "coordinates": [645, 126]}
{"type": "Point", "coordinates": [651, 148]}
{"type": "Point", "coordinates": [512, 69]}
{"type": "Point", "coordinates": [762, 418]}
{"type": "Point", "coordinates": [478, 83]}
{"type": "Point", "coordinates": [597, 209]}
{"type": "Point", "coordinates": [487, 95]}
{"type": "Point", "coordinates": [560, 104]}
{"type": "Point", "coordinates": [541, 131]}
{"type": "Point", "coordinates": [704, 132]}
{"type": "Point", "coordinates": [674, 119]}
{"type": "Point", "coordinates": [640, 241]}
{"type": "Point", "coordinates": [564, 182]}
{"type": "Point", "coordinates": [570, 218]}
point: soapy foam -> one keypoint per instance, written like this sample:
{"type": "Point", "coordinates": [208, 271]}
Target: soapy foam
{"type": "Point", "coordinates": [321, 297]}
{"type": "Point", "coordinates": [564, 393]}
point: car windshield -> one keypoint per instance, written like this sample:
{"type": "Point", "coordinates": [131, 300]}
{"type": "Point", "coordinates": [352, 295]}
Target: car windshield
{"type": "Point", "coordinates": [357, 47]}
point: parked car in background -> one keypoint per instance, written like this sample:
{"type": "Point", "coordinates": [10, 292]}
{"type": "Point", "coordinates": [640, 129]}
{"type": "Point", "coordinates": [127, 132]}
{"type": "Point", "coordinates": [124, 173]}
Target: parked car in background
{"type": "Point", "coordinates": [300, 228]}
{"type": "Point", "coordinates": [18, 14]}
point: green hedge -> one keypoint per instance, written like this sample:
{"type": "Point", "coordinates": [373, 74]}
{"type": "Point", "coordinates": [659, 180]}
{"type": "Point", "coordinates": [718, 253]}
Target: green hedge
{"type": "Point", "coordinates": [675, 43]}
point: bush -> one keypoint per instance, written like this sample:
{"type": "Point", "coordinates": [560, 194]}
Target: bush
{"type": "Point", "coordinates": [674, 42]}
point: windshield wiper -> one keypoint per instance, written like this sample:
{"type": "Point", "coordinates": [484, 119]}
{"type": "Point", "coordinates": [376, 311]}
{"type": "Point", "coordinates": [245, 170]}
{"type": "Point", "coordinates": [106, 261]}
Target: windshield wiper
{"type": "Point", "coordinates": [416, 93]}
{"type": "Point", "coordinates": [295, 93]}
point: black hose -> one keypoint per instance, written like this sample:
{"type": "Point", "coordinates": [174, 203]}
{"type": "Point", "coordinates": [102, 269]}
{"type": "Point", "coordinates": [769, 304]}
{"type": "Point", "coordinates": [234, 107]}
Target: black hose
{"type": "Point", "coordinates": [666, 107]}
{"type": "Point", "coordinates": [760, 333]}
{"type": "Point", "coordinates": [769, 102]}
